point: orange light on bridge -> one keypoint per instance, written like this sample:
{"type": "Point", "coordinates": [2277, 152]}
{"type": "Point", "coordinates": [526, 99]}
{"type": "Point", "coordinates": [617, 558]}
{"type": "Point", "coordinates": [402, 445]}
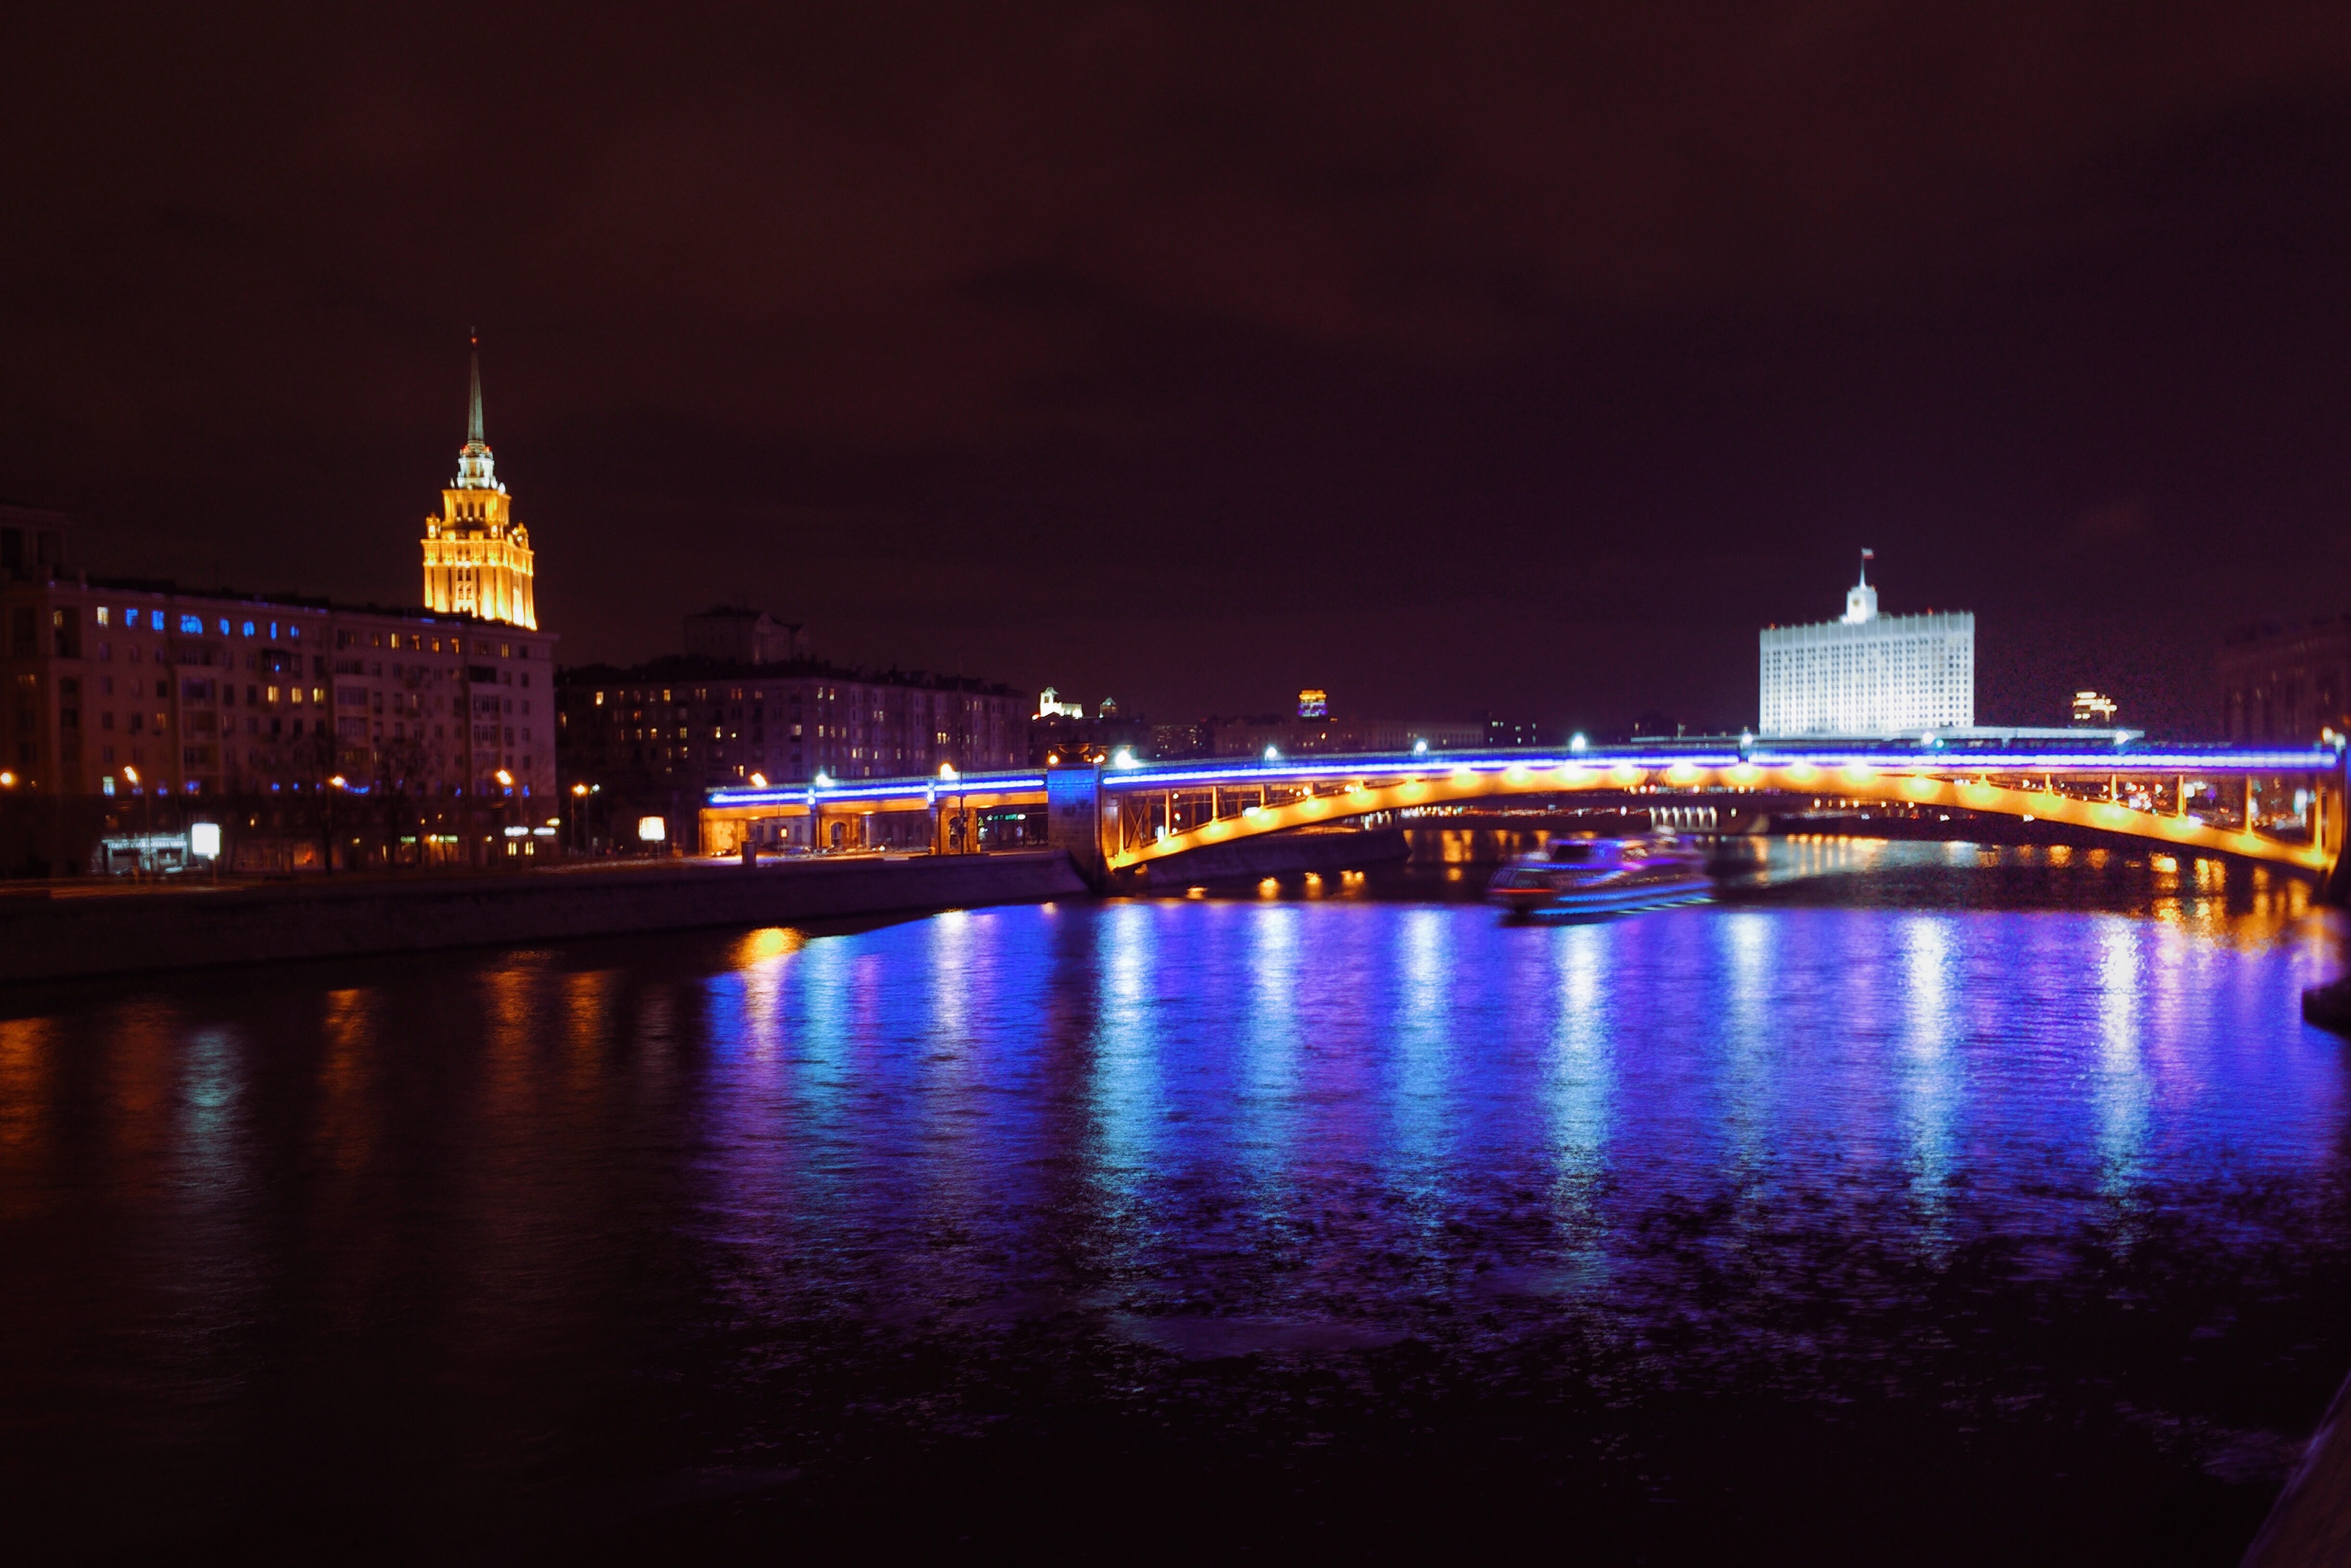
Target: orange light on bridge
{"type": "Point", "coordinates": [1625, 773]}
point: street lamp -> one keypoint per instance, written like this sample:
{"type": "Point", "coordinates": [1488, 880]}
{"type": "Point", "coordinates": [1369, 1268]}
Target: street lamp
{"type": "Point", "coordinates": [146, 821]}
{"type": "Point", "coordinates": [505, 793]}
{"type": "Point", "coordinates": [957, 831]}
{"type": "Point", "coordinates": [337, 784]}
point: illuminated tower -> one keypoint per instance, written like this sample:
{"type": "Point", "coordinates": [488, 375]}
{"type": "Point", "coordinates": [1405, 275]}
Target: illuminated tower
{"type": "Point", "coordinates": [476, 558]}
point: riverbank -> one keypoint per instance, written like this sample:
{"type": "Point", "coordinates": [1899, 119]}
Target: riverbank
{"type": "Point", "coordinates": [73, 935]}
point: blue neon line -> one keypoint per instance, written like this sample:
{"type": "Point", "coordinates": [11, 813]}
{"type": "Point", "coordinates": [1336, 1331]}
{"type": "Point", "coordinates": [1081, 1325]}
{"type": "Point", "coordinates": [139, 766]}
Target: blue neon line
{"type": "Point", "coordinates": [1597, 762]}
{"type": "Point", "coordinates": [881, 789]}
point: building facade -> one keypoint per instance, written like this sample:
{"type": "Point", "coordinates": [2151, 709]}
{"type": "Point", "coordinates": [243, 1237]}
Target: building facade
{"type": "Point", "coordinates": [120, 687]}
{"type": "Point", "coordinates": [652, 738]}
{"type": "Point", "coordinates": [2288, 686]}
{"type": "Point", "coordinates": [1867, 674]}
{"type": "Point", "coordinates": [430, 740]}
{"type": "Point", "coordinates": [477, 559]}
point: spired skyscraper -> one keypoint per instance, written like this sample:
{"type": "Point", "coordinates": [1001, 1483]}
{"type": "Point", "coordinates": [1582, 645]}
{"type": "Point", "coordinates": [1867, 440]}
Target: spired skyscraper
{"type": "Point", "coordinates": [1867, 673]}
{"type": "Point", "coordinates": [476, 557]}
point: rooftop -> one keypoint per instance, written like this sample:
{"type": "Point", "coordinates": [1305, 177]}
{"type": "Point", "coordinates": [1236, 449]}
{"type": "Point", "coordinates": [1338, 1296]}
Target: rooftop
{"type": "Point", "coordinates": [677, 668]}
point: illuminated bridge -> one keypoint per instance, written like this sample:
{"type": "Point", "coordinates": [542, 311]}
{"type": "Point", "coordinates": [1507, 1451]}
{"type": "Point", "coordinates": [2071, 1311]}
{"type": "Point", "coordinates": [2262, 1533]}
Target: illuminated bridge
{"type": "Point", "coordinates": [2279, 805]}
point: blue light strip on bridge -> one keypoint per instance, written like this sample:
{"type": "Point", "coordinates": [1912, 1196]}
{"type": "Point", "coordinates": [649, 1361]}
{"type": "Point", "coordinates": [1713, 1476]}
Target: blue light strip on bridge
{"type": "Point", "coordinates": [1439, 764]}
{"type": "Point", "coordinates": [882, 790]}
{"type": "Point", "coordinates": [1597, 761]}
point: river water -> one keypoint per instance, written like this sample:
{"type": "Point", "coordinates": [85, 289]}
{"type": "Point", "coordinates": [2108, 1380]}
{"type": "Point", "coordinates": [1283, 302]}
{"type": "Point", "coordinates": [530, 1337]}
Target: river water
{"type": "Point", "coordinates": [1912, 1202]}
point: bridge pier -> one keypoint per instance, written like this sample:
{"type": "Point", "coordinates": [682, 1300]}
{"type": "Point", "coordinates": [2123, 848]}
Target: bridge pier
{"type": "Point", "coordinates": [1075, 821]}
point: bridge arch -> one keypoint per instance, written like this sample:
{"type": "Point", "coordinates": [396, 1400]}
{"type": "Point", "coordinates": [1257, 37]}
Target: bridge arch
{"type": "Point", "coordinates": [1991, 785]}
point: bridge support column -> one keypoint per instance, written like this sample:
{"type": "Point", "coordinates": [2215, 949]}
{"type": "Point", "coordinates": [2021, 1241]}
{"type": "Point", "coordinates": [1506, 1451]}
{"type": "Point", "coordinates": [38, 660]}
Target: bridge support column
{"type": "Point", "coordinates": [1078, 817]}
{"type": "Point", "coordinates": [2335, 823]}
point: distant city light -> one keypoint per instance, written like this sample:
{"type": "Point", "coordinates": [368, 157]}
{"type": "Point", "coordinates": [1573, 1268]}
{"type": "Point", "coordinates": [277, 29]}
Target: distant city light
{"type": "Point", "coordinates": [946, 770]}
{"type": "Point", "coordinates": [2093, 709]}
{"type": "Point", "coordinates": [204, 839]}
{"type": "Point", "coordinates": [651, 829]}
{"type": "Point", "coordinates": [1577, 742]}
{"type": "Point", "coordinates": [1272, 754]}
{"type": "Point", "coordinates": [1420, 747]}
{"type": "Point", "coordinates": [1313, 703]}
{"type": "Point", "coordinates": [1123, 758]}
{"type": "Point", "coordinates": [758, 781]}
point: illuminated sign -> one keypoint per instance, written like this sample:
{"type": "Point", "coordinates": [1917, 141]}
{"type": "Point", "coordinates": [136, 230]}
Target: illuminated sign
{"type": "Point", "coordinates": [651, 829]}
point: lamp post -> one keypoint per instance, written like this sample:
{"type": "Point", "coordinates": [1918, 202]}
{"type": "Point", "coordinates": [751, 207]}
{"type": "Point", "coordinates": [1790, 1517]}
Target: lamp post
{"type": "Point", "coordinates": [505, 799]}
{"type": "Point", "coordinates": [579, 814]}
{"type": "Point", "coordinates": [146, 822]}
{"type": "Point", "coordinates": [961, 838]}
{"type": "Point", "coordinates": [337, 784]}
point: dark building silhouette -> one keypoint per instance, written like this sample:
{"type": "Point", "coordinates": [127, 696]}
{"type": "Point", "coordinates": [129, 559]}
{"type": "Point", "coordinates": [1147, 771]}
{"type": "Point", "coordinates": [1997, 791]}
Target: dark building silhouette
{"type": "Point", "coordinates": [2288, 686]}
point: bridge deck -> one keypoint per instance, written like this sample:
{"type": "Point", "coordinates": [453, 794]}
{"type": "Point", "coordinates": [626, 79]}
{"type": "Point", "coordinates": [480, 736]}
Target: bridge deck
{"type": "Point", "coordinates": [1152, 810]}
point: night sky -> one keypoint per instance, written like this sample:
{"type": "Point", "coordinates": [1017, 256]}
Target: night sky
{"type": "Point", "coordinates": [1452, 358]}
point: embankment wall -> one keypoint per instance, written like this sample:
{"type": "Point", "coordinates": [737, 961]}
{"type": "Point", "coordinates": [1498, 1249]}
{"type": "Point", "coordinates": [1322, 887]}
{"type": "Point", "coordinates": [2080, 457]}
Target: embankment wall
{"type": "Point", "coordinates": [66, 936]}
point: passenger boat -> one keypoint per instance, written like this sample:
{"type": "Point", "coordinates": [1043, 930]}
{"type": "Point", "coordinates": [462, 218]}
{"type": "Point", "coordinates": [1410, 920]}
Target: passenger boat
{"type": "Point", "coordinates": [1571, 876]}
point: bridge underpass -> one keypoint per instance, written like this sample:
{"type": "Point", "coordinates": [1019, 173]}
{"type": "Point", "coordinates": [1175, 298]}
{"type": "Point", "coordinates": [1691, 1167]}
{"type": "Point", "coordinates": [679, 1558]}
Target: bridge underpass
{"type": "Point", "coordinates": [2281, 806]}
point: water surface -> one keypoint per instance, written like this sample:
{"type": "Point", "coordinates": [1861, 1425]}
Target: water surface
{"type": "Point", "coordinates": [1914, 1200]}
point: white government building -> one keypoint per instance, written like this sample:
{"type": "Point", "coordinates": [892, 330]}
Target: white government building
{"type": "Point", "coordinates": [1868, 674]}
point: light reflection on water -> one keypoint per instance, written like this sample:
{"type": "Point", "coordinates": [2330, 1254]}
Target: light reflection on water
{"type": "Point", "coordinates": [1748, 1137]}
{"type": "Point", "coordinates": [1233, 1079]}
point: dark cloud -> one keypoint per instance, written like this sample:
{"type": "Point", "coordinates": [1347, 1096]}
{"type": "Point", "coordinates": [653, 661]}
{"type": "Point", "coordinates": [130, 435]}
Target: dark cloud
{"type": "Point", "coordinates": [1518, 357]}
